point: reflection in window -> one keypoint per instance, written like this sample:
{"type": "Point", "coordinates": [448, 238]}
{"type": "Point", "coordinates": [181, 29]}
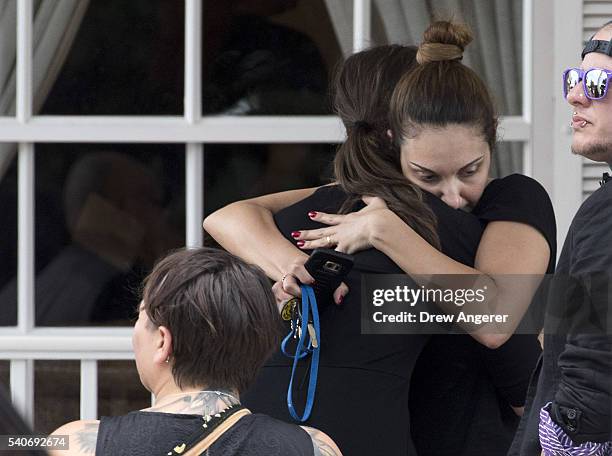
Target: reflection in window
{"type": "Point", "coordinates": [271, 57]}
{"type": "Point", "coordinates": [125, 58]}
{"type": "Point", "coordinates": [238, 171]}
{"type": "Point", "coordinates": [8, 56]}
{"type": "Point", "coordinates": [56, 394]}
{"type": "Point", "coordinates": [104, 214]}
{"type": "Point", "coordinates": [119, 389]}
{"type": "Point", "coordinates": [255, 61]}
{"type": "Point", "coordinates": [5, 374]}
{"type": "Point", "coordinates": [8, 228]}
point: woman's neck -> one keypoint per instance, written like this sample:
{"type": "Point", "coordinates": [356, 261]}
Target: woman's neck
{"type": "Point", "coordinates": [203, 402]}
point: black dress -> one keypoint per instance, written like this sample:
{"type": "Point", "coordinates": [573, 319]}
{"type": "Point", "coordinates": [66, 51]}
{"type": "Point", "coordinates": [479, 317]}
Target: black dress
{"type": "Point", "coordinates": [363, 384]}
{"type": "Point", "coordinates": [467, 410]}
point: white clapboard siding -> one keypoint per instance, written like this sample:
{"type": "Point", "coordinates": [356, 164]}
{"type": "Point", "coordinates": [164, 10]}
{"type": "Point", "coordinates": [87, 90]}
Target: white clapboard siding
{"type": "Point", "coordinates": [591, 175]}
{"type": "Point", "coordinates": [596, 13]}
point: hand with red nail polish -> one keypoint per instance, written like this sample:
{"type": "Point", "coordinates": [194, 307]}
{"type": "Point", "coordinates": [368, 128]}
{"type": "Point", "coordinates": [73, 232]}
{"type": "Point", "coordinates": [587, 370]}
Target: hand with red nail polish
{"type": "Point", "coordinates": [340, 293]}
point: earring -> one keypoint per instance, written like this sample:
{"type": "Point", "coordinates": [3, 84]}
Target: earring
{"type": "Point", "coordinates": [168, 359]}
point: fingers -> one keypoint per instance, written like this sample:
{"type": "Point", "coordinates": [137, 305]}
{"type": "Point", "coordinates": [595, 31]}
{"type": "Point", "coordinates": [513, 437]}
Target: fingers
{"type": "Point", "coordinates": [280, 296]}
{"type": "Point", "coordinates": [297, 273]}
{"type": "Point", "coordinates": [309, 235]}
{"type": "Point", "coordinates": [312, 239]}
{"type": "Point", "coordinates": [279, 293]}
{"type": "Point", "coordinates": [340, 293]}
{"type": "Point", "coordinates": [291, 286]}
{"type": "Point", "coordinates": [326, 242]}
{"type": "Point", "coordinates": [328, 219]}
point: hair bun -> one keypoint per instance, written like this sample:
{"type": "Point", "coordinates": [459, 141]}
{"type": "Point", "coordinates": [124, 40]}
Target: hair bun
{"type": "Point", "coordinates": [444, 40]}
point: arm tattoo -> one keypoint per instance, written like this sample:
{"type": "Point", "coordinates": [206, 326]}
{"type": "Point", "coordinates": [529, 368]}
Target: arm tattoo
{"type": "Point", "coordinates": [321, 447]}
{"type": "Point", "coordinates": [87, 437]}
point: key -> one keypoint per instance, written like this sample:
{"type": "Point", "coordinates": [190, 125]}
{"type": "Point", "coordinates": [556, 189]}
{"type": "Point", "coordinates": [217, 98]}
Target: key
{"type": "Point", "coordinates": [298, 333]}
{"type": "Point", "coordinates": [313, 335]}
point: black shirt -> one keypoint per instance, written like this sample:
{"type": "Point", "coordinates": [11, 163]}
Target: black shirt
{"type": "Point", "coordinates": [576, 368]}
{"type": "Point", "coordinates": [152, 433]}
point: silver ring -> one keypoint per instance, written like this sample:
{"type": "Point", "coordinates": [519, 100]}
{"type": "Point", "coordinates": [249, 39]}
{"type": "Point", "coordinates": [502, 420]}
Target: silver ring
{"type": "Point", "coordinates": [328, 239]}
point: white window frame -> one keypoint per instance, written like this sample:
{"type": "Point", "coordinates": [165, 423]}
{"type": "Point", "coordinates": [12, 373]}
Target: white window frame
{"type": "Point", "coordinates": [25, 343]}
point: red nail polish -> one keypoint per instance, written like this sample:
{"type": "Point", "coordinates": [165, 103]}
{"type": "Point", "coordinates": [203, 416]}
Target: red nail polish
{"type": "Point", "coordinates": [340, 299]}
{"type": "Point", "coordinates": [312, 214]}
{"type": "Point", "coordinates": [295, 234]}
{"type": "Point", "coordinates": [300, 243]}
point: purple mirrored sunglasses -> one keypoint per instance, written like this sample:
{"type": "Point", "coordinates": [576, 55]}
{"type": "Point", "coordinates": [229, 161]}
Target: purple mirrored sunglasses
{"type": "Point", "coordinates": [594, 81]}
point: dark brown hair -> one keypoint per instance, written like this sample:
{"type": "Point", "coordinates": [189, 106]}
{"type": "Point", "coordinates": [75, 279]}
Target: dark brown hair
{"type": "Point", "coordinates": [221, 314]}
{"type": "Point", "coordinates": [441, 90]}
{"type": "Point", "coordinates": [368, 163]}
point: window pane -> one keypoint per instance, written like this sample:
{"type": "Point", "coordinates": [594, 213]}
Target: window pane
{"type": "Point", "coordinates": [5, 374]}
{"type": "Point", "coordinates": [8, 56]}
{"type": "Point", "coordinates": [104, 214]}
{"type": "Point", "coordinates": [56, 394]}
{"type": "Point", "coordinates": [8, 228]}
{"type": "Point", "coordinates": [238, 171]}
{"type": "Point", "coordinates": [125, 58]}
{"type": "Point", "coordinates": [267, 57]}
{"type": "Point", "coordinates": [119, 389]}
{"type": "Point", "coordinates": [507, 159]}
{"type": "Point", "coordinates": [495, 54]}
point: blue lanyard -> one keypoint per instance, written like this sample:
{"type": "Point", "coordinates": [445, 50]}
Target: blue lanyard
{"type": "Point", "coordinates": [309, 304]}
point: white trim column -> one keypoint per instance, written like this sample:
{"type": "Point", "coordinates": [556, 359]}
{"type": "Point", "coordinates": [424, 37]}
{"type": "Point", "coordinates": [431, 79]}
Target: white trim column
{"type": "Point", "coordinates": [537, 86]}
{"type": "Point", "coordinates": [194, 152]}
{"type": "Point", "coordinates": [22, 388]}
{"type": "Point", "coordinates": [22, 371]}
{"type": "Point", "coordinates": [567, 168]}
{"type": "Point", "coordinates": [89, 389]}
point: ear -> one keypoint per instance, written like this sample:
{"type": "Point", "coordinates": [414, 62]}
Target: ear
{"type": "Point", "coordinates": [163, 347]}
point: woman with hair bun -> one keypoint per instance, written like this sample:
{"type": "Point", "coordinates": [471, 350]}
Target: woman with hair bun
{"type": "Point", "coordinates": [418, 148]}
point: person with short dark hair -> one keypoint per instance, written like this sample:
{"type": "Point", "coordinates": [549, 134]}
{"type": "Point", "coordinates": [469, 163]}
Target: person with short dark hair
{"type": "Point", "coordinates": [569, 406]}
{"type": "Point", "coordinates": [206, 324]}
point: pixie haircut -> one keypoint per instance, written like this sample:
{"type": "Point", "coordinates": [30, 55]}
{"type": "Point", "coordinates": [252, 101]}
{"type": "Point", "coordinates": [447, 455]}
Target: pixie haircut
{"type": "Point", "coordinates": [221, 314]}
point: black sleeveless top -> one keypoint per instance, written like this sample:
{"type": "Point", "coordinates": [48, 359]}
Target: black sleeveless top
{"type": "Point", "coordinates": [363, 384]}
{"type": "Point", "coordinates": [154, 433]}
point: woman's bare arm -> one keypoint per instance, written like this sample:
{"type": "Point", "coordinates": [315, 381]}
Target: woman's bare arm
{"type": "Point", "coordinates": [247, 229]}
{"type": "Point", "coordinates": [505, 248]}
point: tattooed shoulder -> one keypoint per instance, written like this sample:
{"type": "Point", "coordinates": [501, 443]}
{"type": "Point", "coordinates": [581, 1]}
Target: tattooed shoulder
{"type": "Point", "coordinates": [83, 436]}
{"type": "Point", "coordinates": [323, 445]}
